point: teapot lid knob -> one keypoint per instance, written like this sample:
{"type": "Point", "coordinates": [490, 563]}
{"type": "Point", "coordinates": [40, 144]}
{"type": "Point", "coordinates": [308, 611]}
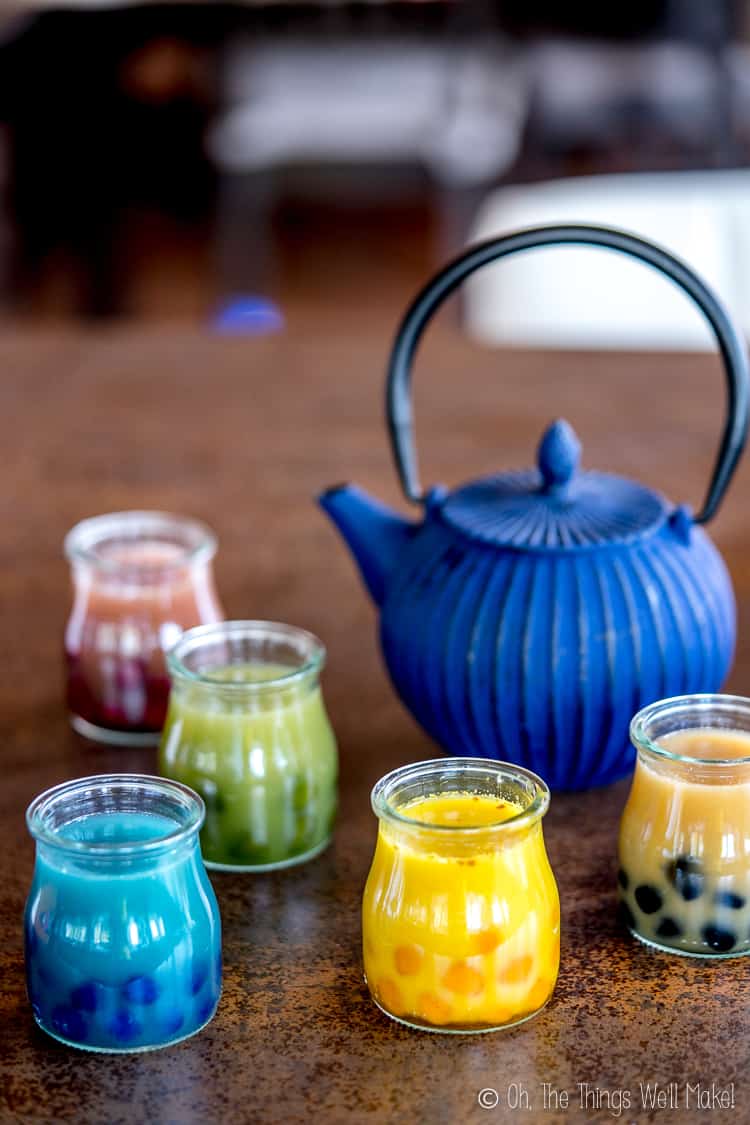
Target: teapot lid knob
{"type": "Point", "coordinates": [558, 455]}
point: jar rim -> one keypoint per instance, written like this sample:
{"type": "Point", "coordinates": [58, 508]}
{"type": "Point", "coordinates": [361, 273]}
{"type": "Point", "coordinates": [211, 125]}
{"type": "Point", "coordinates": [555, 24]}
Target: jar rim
{"type": "Point", "coordinates": [701, 706]}
{"type": "Point", "coordinates": [195, 539]}
{"type": "Point", "coordinates": [41, 808]}
{"type": "Point", "coordinates": [384, 789]}
{"type": "Point", "coordinates": [192, 640]}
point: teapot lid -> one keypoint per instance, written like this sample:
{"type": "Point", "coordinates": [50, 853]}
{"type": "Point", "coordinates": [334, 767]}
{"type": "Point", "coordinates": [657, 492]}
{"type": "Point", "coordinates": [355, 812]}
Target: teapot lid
{"type": "Point", "coordinates": [556, 505]}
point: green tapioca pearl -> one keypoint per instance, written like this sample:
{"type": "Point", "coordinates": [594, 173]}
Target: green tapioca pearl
{"type": "Point", "coordinates": [212, 839]}
{"type": "Point", "coordinates": [306, 837]}
{"type": "Point", "coordinates": [301, 791]}
{"type": "Point", "coordinates": [213, 799]}
{"type": "Point", "coordinates": [242, 849]}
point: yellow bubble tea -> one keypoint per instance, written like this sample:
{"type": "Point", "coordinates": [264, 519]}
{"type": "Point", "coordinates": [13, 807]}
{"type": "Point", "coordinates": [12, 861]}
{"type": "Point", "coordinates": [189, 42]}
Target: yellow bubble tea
{"type": "Point", "coordinates": [461, 930]}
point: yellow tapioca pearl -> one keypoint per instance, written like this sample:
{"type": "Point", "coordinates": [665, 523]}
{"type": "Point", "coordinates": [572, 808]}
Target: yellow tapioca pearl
{"type": "Point", "coordinates": [389, 994]}
{"type": "Point", "coordinates": [517, 971]}
{"type": "Point", "coordinates": [538, 995]}
{"type": "Point", "coordinates": [499, 1015]}
{"type": "Point", "coordinates": [463, 979]}
{"type": "Point", "coordinates": [550, 955]}
{"type": "Point", "coordinates": [486, 941]}
{"type": "Point", "coordinates": [408, 960]}
{"type": "Point", "coordinates": [433, 1009]}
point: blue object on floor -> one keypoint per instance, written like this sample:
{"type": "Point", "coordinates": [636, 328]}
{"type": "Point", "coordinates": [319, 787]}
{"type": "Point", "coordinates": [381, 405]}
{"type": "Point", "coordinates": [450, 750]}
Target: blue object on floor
{"type": "Point", "coordinates": [249, 315]}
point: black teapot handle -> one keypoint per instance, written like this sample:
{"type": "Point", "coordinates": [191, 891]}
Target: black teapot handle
{"type": "Point", "coordinates": [731, 345]}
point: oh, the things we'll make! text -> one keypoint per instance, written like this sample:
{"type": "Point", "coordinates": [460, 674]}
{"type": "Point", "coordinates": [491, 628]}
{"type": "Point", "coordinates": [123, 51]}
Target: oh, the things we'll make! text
{"type": "Point", "coordinates": [641, 1096]}
{"type": "Point", "coordinates": [615, 1100]}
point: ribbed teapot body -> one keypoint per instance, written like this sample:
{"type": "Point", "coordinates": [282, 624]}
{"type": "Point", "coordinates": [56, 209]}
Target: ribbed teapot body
{"type": "Point", "coordinates": [541, 658]}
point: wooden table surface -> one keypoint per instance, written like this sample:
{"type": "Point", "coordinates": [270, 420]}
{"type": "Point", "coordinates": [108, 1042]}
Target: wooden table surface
{"type": "Point", "coordinates": [243, 433]}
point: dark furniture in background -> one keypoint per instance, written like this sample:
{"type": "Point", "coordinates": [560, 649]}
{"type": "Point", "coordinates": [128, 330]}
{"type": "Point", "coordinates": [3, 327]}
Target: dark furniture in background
{"type": "Point", "coordinates": [105, 114]}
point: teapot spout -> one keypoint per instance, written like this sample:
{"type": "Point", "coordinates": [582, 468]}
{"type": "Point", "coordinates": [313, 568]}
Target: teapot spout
{"type": "Point", "coordinates": [374, 533]}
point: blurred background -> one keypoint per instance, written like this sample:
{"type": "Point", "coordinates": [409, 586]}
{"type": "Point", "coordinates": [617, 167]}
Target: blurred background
{"type": "Point", "coordinates": [274, 159]}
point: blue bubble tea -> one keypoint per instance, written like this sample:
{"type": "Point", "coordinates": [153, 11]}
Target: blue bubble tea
{"type": "Point", "coordinates": [122, 927]}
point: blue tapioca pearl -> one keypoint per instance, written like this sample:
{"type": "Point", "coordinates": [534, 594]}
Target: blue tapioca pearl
{"type": "Point", "coordinates": [46, 978]}
{"type": "Point", "coordinates": [173, 1022]}
{"type": "Point", "coordinates": [686, 875]}
{"type": "Point", "coordinates": [198, 977]}
{"type": "Point", "coordinates": [141, 990]}
{"type": "Point", "coordinates": [86, 997]}
{"type": "Point", "coordinates": [731, 900]}
{"type": "Point", "coordinates": [206, 1009]}
{"type": "Point", "coordinates": [37, 996]}
{"type": "Point", "coordinates": [69, 1023]}
{"type": "Point", "coordinates": [125, 1027]}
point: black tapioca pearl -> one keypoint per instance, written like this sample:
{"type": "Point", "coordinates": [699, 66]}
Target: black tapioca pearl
{"type": "Point", "coordinates": [668, 928]}
{"type": "Point", "coordinates": [720, 940]}
{"type": "Point", "coordinates": [622, 878]}
{"type": "Point", "coordinates": [730, 900]}
{"type": "Point", "coordinates": [625, 916]}
{"type": "Point", "coordinates": [686, 876]}
{"type": "Point", "coordinates": [648, 898]}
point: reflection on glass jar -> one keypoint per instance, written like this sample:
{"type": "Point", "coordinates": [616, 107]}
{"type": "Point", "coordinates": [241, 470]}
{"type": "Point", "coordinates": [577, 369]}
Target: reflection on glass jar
{"type": "Point", "coordinates": [122, 929]}
{"type": "Point", "coordinates": [139, 580]}
{"type": "Point", "coordinates": [247, 728]}
{"type": "Point", "coordinates": [684, 879]}
{"type": "Point", "coordinates": [461, 916]}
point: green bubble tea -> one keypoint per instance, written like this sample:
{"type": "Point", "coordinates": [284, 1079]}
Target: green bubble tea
{"type": "Point", "coordinates": [248, 730]}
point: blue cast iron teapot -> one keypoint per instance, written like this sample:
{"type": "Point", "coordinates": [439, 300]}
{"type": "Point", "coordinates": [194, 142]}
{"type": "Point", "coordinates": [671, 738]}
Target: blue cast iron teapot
{"type": "Point", "coordinates": [529, 615]}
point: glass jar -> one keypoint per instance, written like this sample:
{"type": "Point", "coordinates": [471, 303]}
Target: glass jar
{"type": "Point", "coordinates": [461, 916]}
{"type": "Point", "coordinates": [247, 728]}
{"type": "Point", "coordinates": [684, 879]}
{"type": "Point", "coordinates": [139, 580]}
{"type": "Point", "coordinates": [122, 929]}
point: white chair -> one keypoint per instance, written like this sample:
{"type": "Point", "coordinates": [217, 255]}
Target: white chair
{"type": "Point", "coordinates": [459, 110]}
{"type": "Point", "coordinates": [586, 297]}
